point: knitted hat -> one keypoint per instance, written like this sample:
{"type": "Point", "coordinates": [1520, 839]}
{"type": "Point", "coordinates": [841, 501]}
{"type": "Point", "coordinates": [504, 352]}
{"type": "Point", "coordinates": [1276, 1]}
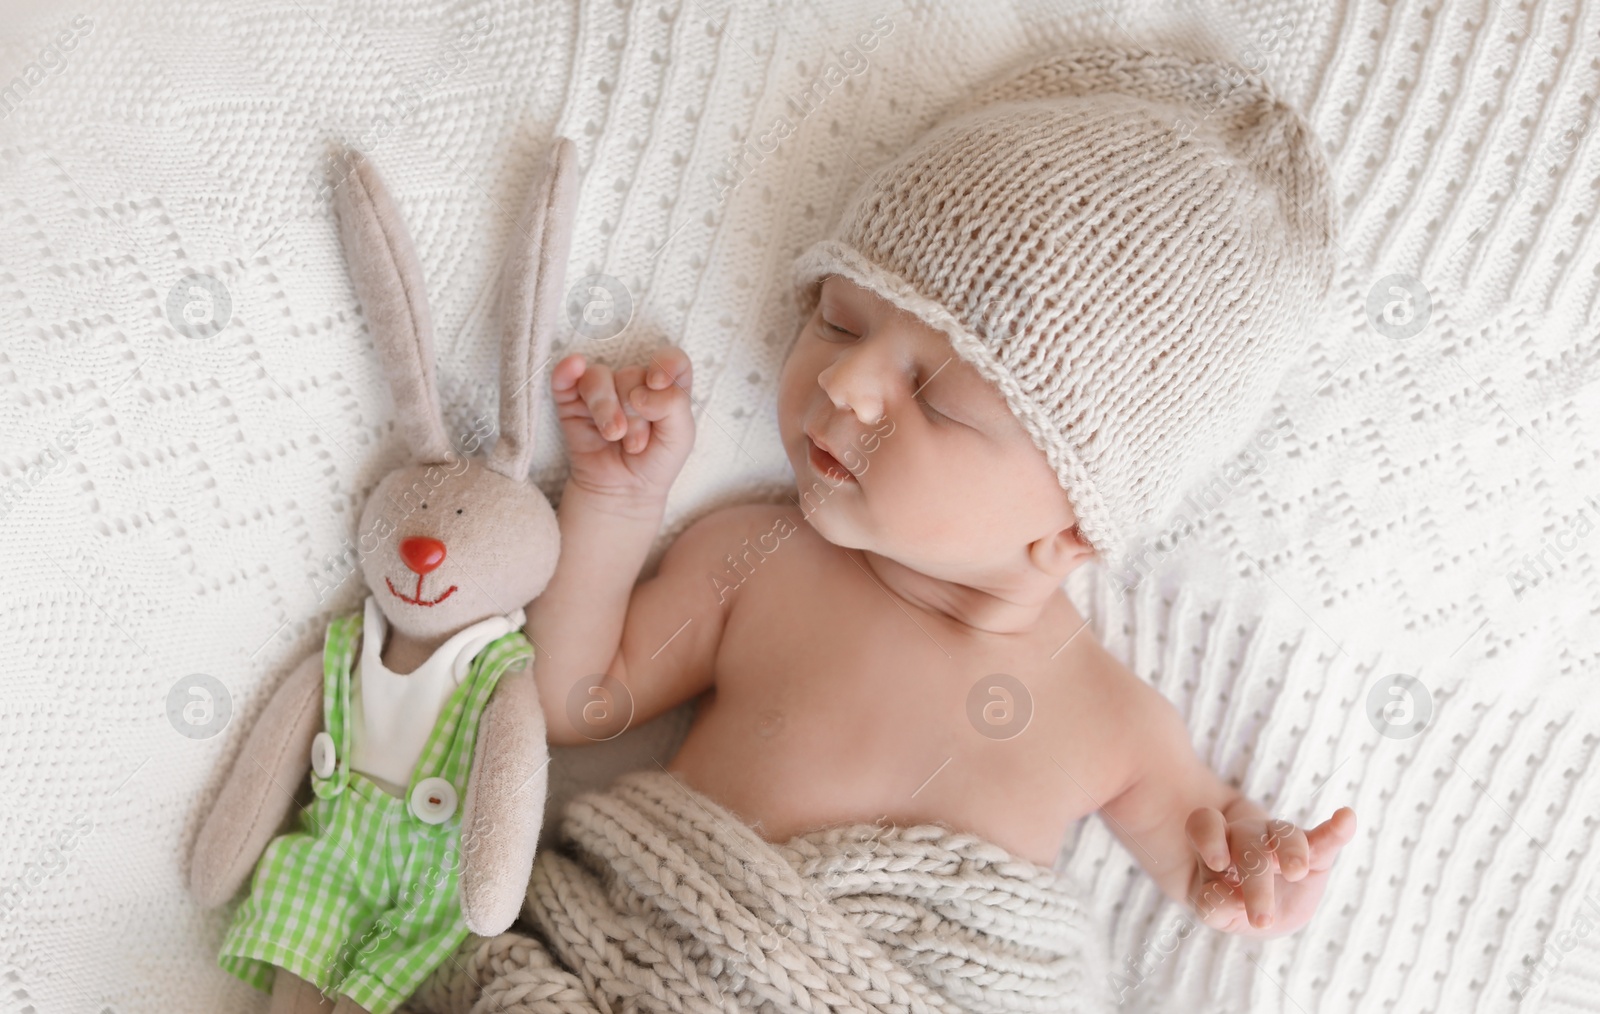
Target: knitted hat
{"type": "Point", "coordinates": [1128, 244]}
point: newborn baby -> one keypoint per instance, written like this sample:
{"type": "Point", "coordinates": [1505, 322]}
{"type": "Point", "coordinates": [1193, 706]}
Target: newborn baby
{"type": "Point", "coordinates": [894, 643]}
{"type": "Point", "coordinates": [924, 552]}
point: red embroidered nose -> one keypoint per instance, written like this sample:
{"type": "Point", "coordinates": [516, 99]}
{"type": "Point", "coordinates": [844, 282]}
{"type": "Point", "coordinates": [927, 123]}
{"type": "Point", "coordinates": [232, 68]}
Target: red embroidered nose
{"type": "Point", "coordinates": [421, 554]}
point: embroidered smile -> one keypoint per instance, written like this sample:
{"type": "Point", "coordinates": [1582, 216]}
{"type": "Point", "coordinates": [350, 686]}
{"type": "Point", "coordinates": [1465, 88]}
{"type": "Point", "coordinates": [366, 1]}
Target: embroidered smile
{"type": "Point", "coordinates": [416, 599]}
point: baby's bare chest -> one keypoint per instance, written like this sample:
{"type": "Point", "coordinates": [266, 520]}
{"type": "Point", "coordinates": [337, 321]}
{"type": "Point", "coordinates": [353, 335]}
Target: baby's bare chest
{"type": "Point", "coordinates": [834, 704]}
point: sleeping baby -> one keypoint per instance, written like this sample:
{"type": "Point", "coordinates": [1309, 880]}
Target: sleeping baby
{"type": "Point", "coordinates": [1026, 337]}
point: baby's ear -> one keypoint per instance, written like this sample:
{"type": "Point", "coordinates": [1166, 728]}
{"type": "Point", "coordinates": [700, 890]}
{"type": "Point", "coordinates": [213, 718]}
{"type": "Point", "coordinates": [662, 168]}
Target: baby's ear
{"type": "Point", "coordinates": [1085, 549]}
{"type": "Point", "coordinates": [1077, 535]}
{"type": "Point", "coordinates": [1061, 553]}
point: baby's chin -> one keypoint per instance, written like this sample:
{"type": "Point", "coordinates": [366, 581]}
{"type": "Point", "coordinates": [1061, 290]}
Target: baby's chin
{"type": "Point", "coordinates": [817, 499]}
{"type": "Point", "coordinates": [829, 510]}
{"type": "Point", "coordinates": [842, 519]}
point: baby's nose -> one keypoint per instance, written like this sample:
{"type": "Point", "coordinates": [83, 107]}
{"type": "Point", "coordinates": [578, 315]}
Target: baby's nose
{"type": "Point", "coordinates": [864, 377]}
{"type": "Point", "coordinates": [421, 554]}
{"type": "Point", "coordinates": [854, 396]}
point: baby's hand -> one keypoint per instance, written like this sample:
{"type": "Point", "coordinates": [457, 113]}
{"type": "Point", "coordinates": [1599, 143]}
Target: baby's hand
{"type": "Point", "coordinates": [627, 433]}
{"type": "Point", "coordinates": [1262, 876]}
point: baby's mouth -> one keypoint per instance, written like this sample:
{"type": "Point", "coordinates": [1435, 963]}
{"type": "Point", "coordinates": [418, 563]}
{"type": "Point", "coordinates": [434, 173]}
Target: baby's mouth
{"type": "Point", "coordinates": [417, 599]}
{"type": "Point", "coordinates": [825, 464]}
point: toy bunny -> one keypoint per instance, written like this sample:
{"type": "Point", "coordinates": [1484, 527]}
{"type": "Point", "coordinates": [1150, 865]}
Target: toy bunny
{"type": "Point", "coordinates": [420, 720]}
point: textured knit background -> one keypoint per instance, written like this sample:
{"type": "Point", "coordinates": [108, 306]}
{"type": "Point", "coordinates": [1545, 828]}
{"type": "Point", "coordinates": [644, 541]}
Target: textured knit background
{"type": "Point", "coordinates": [173, 502]}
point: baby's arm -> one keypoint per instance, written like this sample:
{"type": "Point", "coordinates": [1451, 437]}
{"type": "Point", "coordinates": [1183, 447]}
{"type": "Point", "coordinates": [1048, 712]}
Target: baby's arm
{"type": "Point", "coordinates": [665, 654]}
{"type": "Point", "coordinates": [591, 620]}
{"type": "Point", "coordinates": [1208, 846]}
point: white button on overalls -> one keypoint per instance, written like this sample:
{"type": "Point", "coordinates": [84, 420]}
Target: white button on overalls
{"type": "Point", "coordinates": [433, 800]}
{"type": "Point", "coordinates": [323, 756]}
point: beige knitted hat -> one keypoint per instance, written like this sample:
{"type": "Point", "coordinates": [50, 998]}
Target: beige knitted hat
{"type": "Point", "coordinates": [1128, 244]}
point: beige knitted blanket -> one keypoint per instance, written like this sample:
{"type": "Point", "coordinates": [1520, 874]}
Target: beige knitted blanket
{"type": "Point", "coordinates": [655, 898]}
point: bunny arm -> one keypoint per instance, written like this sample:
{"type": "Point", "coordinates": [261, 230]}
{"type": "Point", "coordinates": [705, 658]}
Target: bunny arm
{"type": "Point", "coordinates": [259, 790]}
{"type": "Point", "coordinates": [504, 807]}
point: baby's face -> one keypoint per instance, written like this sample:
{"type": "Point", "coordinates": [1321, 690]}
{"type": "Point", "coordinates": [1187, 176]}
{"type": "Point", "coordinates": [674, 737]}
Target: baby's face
{"type": "Point", "coordinates": [901, 447]}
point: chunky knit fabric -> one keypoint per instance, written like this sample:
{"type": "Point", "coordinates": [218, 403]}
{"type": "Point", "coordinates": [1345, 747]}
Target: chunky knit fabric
{"type": "Point", "coordinates": [1126, 243]}
{"type": "Point", "coordinates": [658, 899]}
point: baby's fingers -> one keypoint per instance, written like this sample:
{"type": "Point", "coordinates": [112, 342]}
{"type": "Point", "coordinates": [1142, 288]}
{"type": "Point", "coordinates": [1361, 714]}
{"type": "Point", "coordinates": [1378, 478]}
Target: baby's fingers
{"type": "Point", "coordinates": [670, 367]}
{"type": "Point", "coordinates": [598, 389]}
{"type": "Point", "coordinates": [1293, 851]}
{"type": "Point", "coordinates": [1257, 890]}
{"type": "Point", "coordinates": [564, 377]}
{"type": "Point", "coordinates": [1218, 904]}
{"type": "Point", "coordinates": [627, 380]}
{"type": "Point", "coordinates": [664, 399]}
{"type": "Point", "coordinates": [656, 405]}
{"type": "Point", "coordinates": [1207, 829]}
{"type": "Point", "coordinates": [666, 384]}
{"type": "Point", "coordinates": [1326, 839]}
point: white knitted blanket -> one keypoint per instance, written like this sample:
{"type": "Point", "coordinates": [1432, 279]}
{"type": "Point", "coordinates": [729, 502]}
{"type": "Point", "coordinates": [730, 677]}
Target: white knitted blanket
{"type": "Point", "coordinates": [177, 499]}
{"type": "Point", "coordinates": [653, 897]}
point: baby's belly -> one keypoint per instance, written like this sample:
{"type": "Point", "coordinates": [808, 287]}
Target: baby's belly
{"type": "Point", "coordinates": [760, 772]}
{"type": "Point", "coordinates": [787, 771]}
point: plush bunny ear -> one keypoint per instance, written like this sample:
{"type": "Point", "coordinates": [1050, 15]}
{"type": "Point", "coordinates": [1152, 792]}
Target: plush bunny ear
{"type": "Point", "coordinates": [531, 291]}
{"type": "Point", "coordinates": [388, 281]}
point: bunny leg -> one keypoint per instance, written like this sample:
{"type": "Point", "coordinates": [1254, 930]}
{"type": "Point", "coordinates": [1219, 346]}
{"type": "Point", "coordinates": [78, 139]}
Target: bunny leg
{"type": "Point", "coordinates": [294, 995]}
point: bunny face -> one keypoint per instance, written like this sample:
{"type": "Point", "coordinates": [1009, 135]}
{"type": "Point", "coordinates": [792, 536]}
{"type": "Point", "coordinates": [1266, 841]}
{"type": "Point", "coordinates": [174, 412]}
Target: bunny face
{"type": "Point", "coordinates": [461, 538]}
{"type": "Point", "coordinates": [459, 544]}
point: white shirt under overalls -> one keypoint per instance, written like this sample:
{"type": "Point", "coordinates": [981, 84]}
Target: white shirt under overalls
{"type": "Point", "coordinates": [392, 714]}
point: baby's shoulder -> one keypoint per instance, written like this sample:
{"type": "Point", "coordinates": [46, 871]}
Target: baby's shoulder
{"type": "Point", "coordinates": [739, 522]}
{"type": "Point", "coordinates": [1136, 727]}
{"type": "Point", "coordinates": [1101, 697]}
{"type": "Point", "coordinates": [732, 545]}
{"type": "Point", "coordinates": [743, 535]}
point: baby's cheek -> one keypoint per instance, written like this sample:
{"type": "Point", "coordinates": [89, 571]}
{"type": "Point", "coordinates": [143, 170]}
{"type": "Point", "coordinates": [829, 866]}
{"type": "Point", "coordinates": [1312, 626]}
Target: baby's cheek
{"type": "Point", "coordinates": [917, 490]}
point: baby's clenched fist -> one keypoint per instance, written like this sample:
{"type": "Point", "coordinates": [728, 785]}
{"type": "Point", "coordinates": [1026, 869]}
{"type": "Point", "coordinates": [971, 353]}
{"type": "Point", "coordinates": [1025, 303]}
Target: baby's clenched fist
{"type": "Point", "coordinates": [628, 432]}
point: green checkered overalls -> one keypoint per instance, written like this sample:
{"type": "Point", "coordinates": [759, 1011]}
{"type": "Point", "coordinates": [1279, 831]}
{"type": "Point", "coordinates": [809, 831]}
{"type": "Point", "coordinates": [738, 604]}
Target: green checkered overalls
{"type": "Point", "coordinates": [363, 899]}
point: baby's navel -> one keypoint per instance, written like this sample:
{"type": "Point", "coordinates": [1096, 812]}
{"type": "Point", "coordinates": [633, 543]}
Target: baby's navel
{"type": "Point", "coordinates": [769, 723]}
